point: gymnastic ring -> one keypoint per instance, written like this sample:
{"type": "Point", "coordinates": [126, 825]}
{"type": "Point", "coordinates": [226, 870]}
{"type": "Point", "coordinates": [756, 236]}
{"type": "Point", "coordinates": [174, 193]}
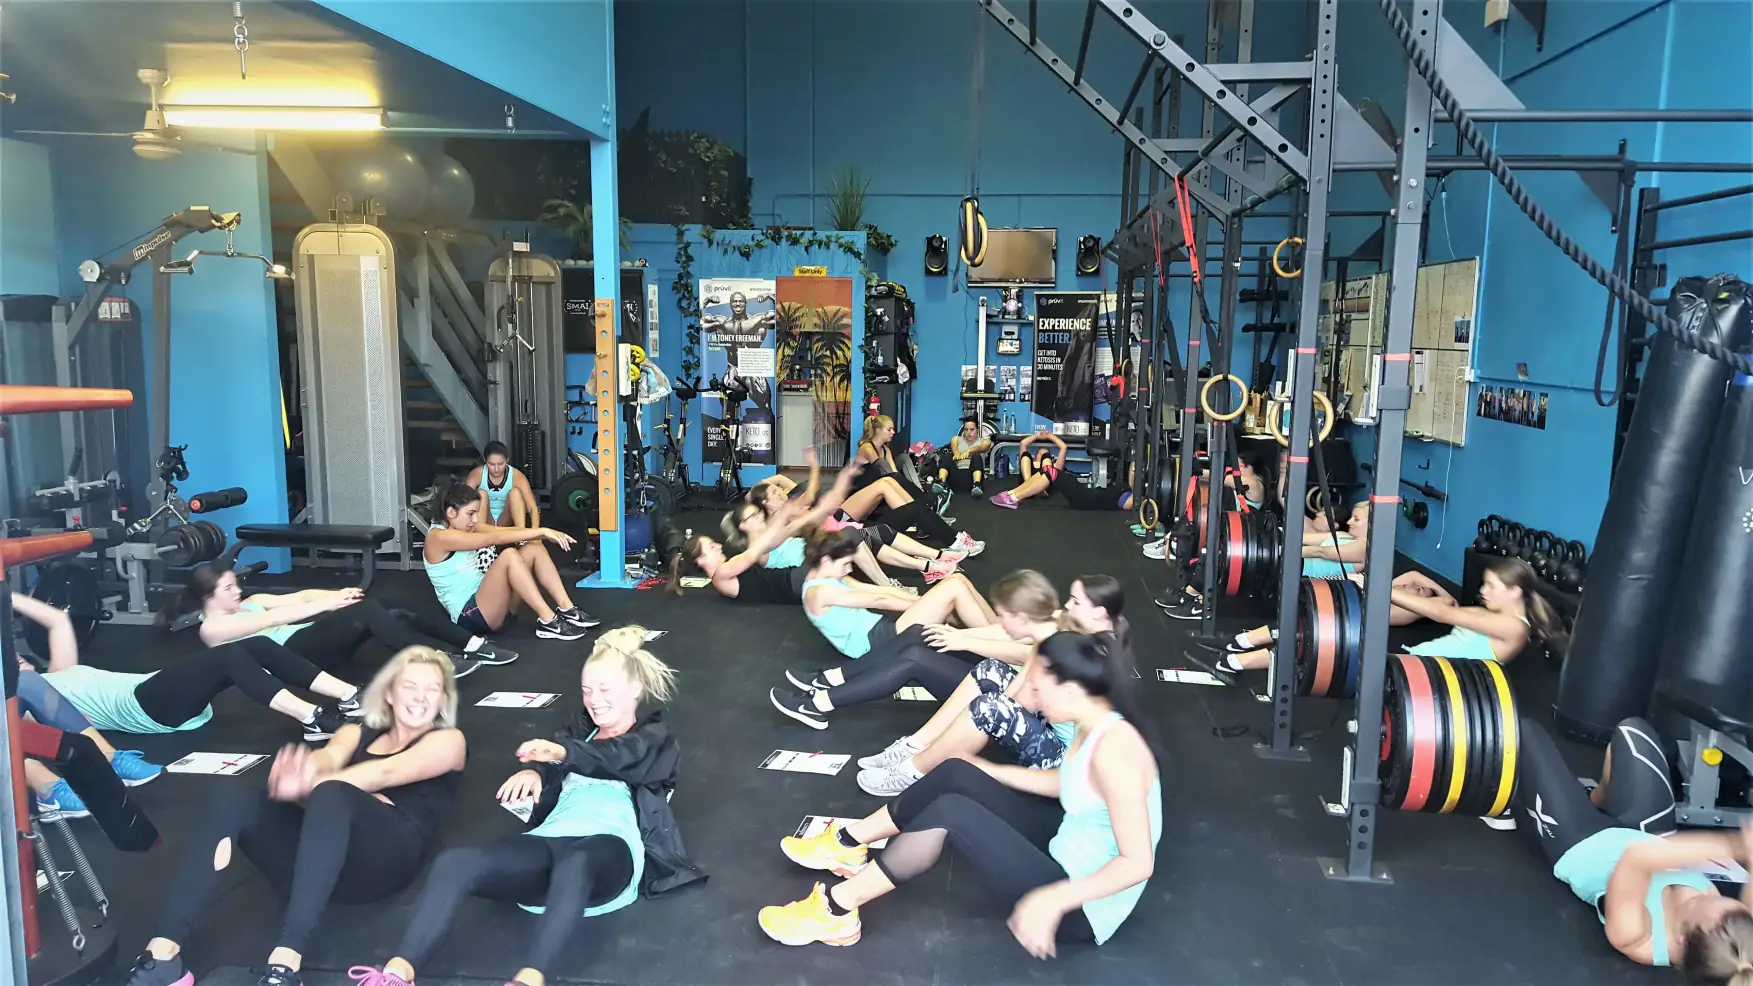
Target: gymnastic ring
{"type": "Point", "coordinates": [1148, 509]}
{"type": "Point", "coordinates": [1315, 501]}
{"type": "Point", "coordinates": [1324, 405]}
{"type": "Point", "coordinates": [1241, 400]}
{"type": "Point", "coordinates": [1279, 270]}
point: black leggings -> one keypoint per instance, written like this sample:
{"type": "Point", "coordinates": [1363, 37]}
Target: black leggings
{"type": "Point", "coordinates": [963, 480]}
{"type": "Point", "coordinates": [330, 640]}
{"type": "Point", "coordinates": [342, 843]}
{"type": "Point", "coordinates": [1556, 809]}
{"type": "Point", "coordinates": [919, 514]}
{"type": "Point", "coordinates": [896, 661]}
{"type": "Point", "coordinates": [877, 536]}
{"type": "Point", "coordinates": [572, 874]}
{"type": "Point", "coordinates": [256, 666]}
{"type": "Point", "coordinates": [1003, 833]}
{"type": "Point", "coordinates": [1083, 497]}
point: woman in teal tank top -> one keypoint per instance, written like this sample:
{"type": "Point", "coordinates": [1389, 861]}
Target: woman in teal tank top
{"type": "Point", "coordinates": [851, 614]}
{"type": "Point", "coordinates": [1616, 850]}
{"type": "Point", "coordinates": [598, 794]}
{"type": "Point", "coordinates": [1066, 850]}
{"type": "Point", "coordinates": [506, 498]}
{"type": "Point", "coordinates": [1512, 613]}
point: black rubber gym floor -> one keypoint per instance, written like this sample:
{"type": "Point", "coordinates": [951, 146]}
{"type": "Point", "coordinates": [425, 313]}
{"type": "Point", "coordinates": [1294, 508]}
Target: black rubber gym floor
{"type": "Point", "coordinates": [1237, 896]}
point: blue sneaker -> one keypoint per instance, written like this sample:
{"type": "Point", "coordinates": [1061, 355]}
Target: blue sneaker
{"type": "Point", "coordinates": [132, 768]}
{"type": "Point", "coordinates": [62, 801]}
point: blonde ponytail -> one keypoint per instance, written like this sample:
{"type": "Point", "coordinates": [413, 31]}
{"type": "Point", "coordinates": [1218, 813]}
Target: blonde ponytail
{"type": "Point", "coordinates": [627, 644]}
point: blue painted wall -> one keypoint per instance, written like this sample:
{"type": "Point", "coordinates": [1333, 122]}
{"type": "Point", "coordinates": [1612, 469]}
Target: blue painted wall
{"type": "Point", "coordinates": [225, 373]}
{"type": "Point", "coordinates": [553, 55]}
{"type": "Point", "coordinates": [27, 217]}
{"type": "Point", "coordinates": [1536, 307]}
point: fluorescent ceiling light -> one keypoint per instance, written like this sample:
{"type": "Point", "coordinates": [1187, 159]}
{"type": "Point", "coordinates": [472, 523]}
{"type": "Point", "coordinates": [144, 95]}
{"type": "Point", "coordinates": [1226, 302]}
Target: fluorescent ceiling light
{"type": "Point", "coordinates": [275, 117]}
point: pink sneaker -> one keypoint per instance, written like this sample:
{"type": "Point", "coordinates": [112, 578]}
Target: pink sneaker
{"type": "Point", "coordinates": [365, 975]}
{"type": "Point", "coordinates": [950, 557]}
{"type": "Point", "coordinates": [935, 573]}
{"type": "Point", "coordinates": [1004, 500]}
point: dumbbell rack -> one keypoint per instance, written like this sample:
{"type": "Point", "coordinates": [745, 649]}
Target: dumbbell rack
{"type": "Point", "coordinates": [91, 944]}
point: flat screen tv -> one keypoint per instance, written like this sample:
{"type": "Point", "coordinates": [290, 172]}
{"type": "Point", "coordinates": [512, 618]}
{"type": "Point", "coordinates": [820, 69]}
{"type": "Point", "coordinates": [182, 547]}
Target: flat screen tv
{"type": "Point", "coordinates": [1026, 258]}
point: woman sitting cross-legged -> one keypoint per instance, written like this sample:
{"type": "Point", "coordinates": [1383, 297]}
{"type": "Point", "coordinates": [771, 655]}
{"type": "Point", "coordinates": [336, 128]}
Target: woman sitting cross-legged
{"type": "Point", "coordinates": [179, 696]}
{"type": "Point", "coordinates": [352, 822]}
{"type": "Point", "coordinates": [603, 828]}
{"type": "Point", "coordinates": [323, 626]}
{"type": "Point", "coordinates": [480, 588]}
{"type": "Point", "coordinates": [1066, 850]}
{"type": "Point", "coordinates": [994, 703]}
{"type": "Point", "coordinates": [852, 615]}
{"type": "Point", "coordinates": [1026, 604]}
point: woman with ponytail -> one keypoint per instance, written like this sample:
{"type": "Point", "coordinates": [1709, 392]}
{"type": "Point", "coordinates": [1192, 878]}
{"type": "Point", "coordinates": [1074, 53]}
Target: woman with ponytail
{"type": "Point", "coordinates": [601, 833]}
{"type": "Point", "coordinates": [1066, 850]}
{"type": "Point", "coordinates": [479, 587]}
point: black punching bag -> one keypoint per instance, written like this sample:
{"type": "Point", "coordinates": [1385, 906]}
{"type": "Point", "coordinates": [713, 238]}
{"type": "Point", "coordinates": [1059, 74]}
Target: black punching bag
{"type": "Point", "coordinates": [1610, 668]}
{"type": "Point", "coordinates": [1710, 619]}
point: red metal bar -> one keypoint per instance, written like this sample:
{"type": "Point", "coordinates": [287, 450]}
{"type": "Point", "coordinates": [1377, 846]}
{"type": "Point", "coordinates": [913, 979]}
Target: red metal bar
{"type": "Point", "coordinates": [27, 866]}
{"type": "Point", "coordinates": [23, 551]}
{"type": "Point", "coordinates": [21, 399]}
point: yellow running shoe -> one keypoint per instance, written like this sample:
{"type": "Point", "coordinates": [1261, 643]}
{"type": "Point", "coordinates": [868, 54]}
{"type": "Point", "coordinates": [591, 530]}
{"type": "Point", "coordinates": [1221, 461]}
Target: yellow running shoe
{"type": "Point", "coordinates": [807, 921]}
{"type": "Point", "coordinates": [824, 852]}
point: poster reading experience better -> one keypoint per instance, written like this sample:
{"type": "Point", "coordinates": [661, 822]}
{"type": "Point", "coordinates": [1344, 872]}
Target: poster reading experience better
{"type": "Point", "coordinates": [1065, 358]}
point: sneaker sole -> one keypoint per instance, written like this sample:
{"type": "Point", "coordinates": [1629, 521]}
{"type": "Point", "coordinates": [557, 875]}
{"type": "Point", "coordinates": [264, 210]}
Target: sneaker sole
{"type": "Point", "coordinates": [880, 793]}
{"type": "Point", "coordinates": [802, 686]}
{"type": "Point", "coordinates": [877, 762]}
{"type": "Point", "coordinates": [843, 872]}
{"type": "Point", "coordinates": [495, 661]}
{"type": "Point", "coordinates": [558, 635]}
{"type": "Point", "coordinates": [851, 939]}
{"type": "Point", "coordinates": [794, 714]}
{"type": "Point", "coordinates": [463, 670]}
{"type": "Point", "coordinates": [136, 782]}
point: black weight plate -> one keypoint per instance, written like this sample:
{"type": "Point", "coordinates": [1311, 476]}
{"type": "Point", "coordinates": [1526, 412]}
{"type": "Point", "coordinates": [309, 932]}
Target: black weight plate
{"type": "Point", "coordinates": [1394, 769]}
{"type": "Point", "coordinates": [212, 540]}
{"type": "Point", "coordinates": [574, 503]}
{"type": "Point", "coordinates": [218, 539]}
{"type": "Point", "coordinates": [1492, 728]}
{"type": "Point", "coordinates": [1442, 775]}
{"type": "Point", "coordinates": [1477, 750]}
{"type": "Point", "coordinates": [182, 544]}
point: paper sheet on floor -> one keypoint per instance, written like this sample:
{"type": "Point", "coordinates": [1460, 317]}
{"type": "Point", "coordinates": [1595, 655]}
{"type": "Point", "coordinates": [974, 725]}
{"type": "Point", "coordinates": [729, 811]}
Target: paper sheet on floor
{"type": "Point", "coordinates": [695, 582]}
{"type": "Point", "coordinates": [1182, 676]}
{"type": "Point", "coordinates": [517, 700]}
{"type": "Point", "coordinates": [523, 809]}
{"type": "Point", "coordinates": [651, 635]}
{"type": "Point", "coordinates": [223, 764]}
{"type": "Point", "coordinates": [914, 693]}
{"type": "Point", "coordinates": [805, 763]}
{"type": "Point", "coordinates": [817, 824]}
{"type": "Point", "coordinates": [1723, 871]}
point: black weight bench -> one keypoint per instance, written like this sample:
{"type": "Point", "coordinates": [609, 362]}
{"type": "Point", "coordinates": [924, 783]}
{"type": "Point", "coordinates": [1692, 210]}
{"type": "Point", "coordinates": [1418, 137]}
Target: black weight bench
{"type": "Point", "coordinates": [349, 538]}
{"type": "Point", "coordinates": [1716, 734]}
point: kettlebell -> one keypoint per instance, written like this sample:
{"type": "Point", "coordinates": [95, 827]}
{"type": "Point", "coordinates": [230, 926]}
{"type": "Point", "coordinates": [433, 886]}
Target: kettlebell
{"type": "Point", "coordinates": [1540, 553]}
{"type": "Point", "coordinates": [1579, 558]}
{"type": "Point", "coordinates": [1494, 534]}
{"type": "Point", "coordinates": [1515, 543]}
{"type": "Point", "coordinates": [1564, 569]}
{"type": "Point", "coordinates": [1482, 543]}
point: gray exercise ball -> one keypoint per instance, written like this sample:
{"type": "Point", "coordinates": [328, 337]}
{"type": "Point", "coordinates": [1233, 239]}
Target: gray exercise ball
{"type": "Point", "coordinates": [389, 173]}
{"type": "Point", "coordinates": [450, 191]}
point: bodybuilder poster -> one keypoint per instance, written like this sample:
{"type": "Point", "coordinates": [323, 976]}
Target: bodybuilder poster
{"type": "Point", "coordinates": [1065, 358]}
{"type": "Point", "coordinates": [738, 319]}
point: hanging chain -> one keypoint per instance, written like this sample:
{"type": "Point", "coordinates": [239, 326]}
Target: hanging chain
{"type": "Point", "coordinates": [240, 38]}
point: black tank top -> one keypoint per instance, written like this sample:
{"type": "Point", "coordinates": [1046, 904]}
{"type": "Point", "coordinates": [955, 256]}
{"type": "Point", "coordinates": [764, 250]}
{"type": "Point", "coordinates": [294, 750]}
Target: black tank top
{"type": "Point", "coordinates": [423, 802]}
{"type": "Point", "coordinates": [770, 585]}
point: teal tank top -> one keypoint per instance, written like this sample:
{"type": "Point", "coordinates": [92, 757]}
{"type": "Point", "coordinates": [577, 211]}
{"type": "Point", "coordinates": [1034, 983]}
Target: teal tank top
{"type": "Point", "coordinates": [1459, 643]}
{"type": "Point", "coordinates": [596, 806]}
{"type": "Point", "coordinates": [847, 628]}
{"type": "Point", "coordinates": [1085, 840]}
{"type": "Point", "coordinates": [1589, 864]}
{"type": "Point", "coordinates": [496, 497]}
{"type": "Point", "coordinates": [1327, 568]}
{"type": "Point", "coordinates": [107, 699]}
{"type": "Point", "coordinates": [455, 579]}
{"type": "Point", "coordinates": [788, 554]}
{"type": "Point", "coordinates": [279, 634]}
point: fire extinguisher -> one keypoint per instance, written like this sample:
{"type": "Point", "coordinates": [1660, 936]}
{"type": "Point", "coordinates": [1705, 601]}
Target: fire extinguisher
{"type": "Point", "coordinates": [874, 407]}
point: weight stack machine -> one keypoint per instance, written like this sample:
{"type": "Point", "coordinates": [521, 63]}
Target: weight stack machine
{"type": "Point", "coordinates": [888, 333]}
{"type": "Point", "coordinates": [526, 362]}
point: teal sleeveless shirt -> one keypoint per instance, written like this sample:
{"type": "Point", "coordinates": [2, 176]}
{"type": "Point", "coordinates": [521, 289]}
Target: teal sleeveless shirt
{"type": "Point", "coordinates": [107, 699]}
{"type": "Point", "coordinates": [279, 634]}
{"type": "Point", "coordinates": [1327, 568]}
{"type": "Point", "coordinates": [1085, 840]}
{"type": "Point", "coordinates": [788, 554]}
{"type": "Point", "coordinates": [496, 497]}
{"type": "Point", "coordinates": [1459, 643]}
{"type": "Point", "coordinates": [846, 627]}
{"type": "Point", "coordinates": [455, 579]}
{"type": "Point", "coordinates": [596, 806]}
{"type": "Point", "coordinates": [1589, 864]}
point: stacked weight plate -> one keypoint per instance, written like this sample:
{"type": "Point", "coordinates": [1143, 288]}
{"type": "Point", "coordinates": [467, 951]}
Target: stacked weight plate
{"type": "Point", "coordinates": [1450, 736]}
{"type": "Point", "coordinates": [1329, 638]}
{"type": "Point", "coordinates": [1247, 554]}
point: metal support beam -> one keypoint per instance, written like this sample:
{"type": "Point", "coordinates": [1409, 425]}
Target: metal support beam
{"type": "Point", "coordinates": [1233, 73]}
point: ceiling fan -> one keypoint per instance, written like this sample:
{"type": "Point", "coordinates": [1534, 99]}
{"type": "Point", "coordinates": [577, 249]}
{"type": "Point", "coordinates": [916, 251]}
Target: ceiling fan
{"type": "Point", "coordinates": [155, 140]}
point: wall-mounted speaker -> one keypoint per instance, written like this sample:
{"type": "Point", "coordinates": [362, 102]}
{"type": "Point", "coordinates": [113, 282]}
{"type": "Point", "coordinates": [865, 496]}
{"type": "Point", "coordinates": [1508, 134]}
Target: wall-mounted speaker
{"type": "Point", "coordinates": [1089, 254]}
{"type": "Point", "coordinates": [937, 255]}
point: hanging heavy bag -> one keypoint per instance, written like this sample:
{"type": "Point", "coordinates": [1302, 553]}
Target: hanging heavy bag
{"type": "Point", "coordinates": [1618, 637]}
{"type": "Point", "coordinates": [1710, 620]}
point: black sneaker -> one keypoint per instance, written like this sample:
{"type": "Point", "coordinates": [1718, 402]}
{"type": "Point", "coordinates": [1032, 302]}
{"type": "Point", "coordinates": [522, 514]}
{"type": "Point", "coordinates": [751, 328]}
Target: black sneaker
{"type": "Point", "coordinates": [1172, 598]}
{"type": "Point", "coordinates": [491, 654]}
{"type": "Point", "coordinates": [578, 618]}
{"type": "Point", "coordinates": [805, 681]}
{"type": "Point", "coordinates": [558, 629]}
{"type": "Point", "coordinates": [462, 665]}
{"type": "Point", "coordinates": [324, 724]}
{"type": "Point", "coordinates": [279, 975]}
{"type": "Point", "coordinates": [149, 971]}
{"type": "Point", "coordinates": [798, 706]}
{"type": "Point", "coordinates": [1185, 611]}
{"type": "Point", "coordinates": [349, 707]}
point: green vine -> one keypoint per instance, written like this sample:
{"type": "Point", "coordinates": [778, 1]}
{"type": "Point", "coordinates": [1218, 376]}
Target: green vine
{"type": "Point", "coordinates": [687, 302]}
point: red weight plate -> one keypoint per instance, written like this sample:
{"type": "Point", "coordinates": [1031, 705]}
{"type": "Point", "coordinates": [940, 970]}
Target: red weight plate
{"type": "Point", "coordinates": [1238, 552]}
{"type": "Point", "coordinates": [1326, 637]}
{"type": "Point", "coordinates": [1425, 733]}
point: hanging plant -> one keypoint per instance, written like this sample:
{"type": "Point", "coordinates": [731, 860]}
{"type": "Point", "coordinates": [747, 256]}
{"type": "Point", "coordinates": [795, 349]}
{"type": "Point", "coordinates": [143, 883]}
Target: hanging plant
{"type": "Point", "coordinates": [876, 239]}
{"type": "Point", "coordinates": [687, 303]}
{"type": "Point", "coordinates": [574, 219]}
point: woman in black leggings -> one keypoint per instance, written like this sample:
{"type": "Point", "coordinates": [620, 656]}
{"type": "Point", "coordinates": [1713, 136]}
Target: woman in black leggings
{"type": "Point", "coordinates": [323, 626]}
{"type": "Point", "coordinates": [1066, 849]}
{"type": "Point", "coordinates": [1616, 849]}
{"type": "Point", "coordinates": [179, 697]}
{"type": "Point", "coordinates": [353, 821]}
{"type": "Point", "coordinates": [603, 829]}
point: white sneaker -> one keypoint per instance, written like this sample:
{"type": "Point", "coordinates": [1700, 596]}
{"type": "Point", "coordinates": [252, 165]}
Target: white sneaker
{"type": "Point", "coordinates": [1156, 550]}
{"type": "Point", "coordinates": [893, 754]}
{"type": "Point", "coordinates": [887, 782]}
{"type": "Point", "coordinates": [1505, 822]}
{"type": "Point", "coordinates": [964, 542]}
{"type": "Point", "coordinates": [897, 584]}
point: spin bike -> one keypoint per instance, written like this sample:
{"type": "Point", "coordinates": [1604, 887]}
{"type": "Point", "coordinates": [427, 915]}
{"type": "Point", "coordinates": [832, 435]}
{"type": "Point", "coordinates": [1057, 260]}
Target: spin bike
{"type": "Point", "coordinates": [644, 492]}
{"type": "Point", "coordinates": [730, 475]}
{"type": "Point", "coordinates": [675, 440]}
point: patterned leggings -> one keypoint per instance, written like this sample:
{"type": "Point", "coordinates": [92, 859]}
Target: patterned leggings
{"type": "Point", "coordinates": [1025, 735]}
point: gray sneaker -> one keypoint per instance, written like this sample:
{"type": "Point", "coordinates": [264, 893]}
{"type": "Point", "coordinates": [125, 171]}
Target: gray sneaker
{"type": "Point", "coordinates": [893, 754]}
{"type": "Point", "coordinates": [887, 782]}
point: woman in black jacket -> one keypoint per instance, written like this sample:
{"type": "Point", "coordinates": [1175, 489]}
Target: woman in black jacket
{"type": "Point", "coordinates": [602, 829]}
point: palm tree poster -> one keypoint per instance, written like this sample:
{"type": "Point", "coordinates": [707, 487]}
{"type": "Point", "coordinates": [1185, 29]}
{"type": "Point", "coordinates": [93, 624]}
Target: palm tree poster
{"type": "Point", "coordinates": [738, 318]}
{"type": "Point", "coordinates": [815, 357]}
